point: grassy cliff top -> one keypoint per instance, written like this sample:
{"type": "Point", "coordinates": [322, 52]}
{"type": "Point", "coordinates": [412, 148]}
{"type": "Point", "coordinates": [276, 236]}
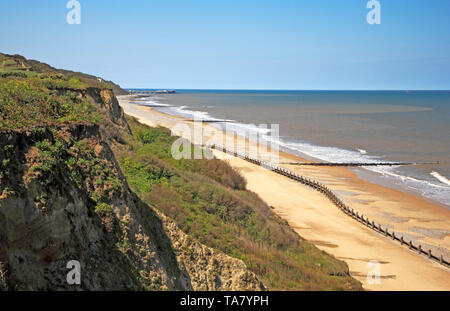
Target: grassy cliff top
{"type": "Point", "coordinates": [33, 93]}
{"type": "Point", "coordinates": [19, 66]}
{"type": "Point", "coordinates": [43, 99]}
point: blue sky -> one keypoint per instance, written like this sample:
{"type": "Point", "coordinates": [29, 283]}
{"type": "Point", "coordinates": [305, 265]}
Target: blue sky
{"type": "Point", "coordinates": [295, 44]}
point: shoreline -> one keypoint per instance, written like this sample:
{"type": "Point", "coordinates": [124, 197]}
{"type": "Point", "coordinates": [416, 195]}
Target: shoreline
{"type": "Point", "coordinates": [419, 180]}
{"type": "Point", "coordinates": [408, 214]}
{"type": "Point", "coordinates": [376, 178]}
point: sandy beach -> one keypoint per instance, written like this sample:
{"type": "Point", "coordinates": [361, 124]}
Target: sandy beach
{"type": "Point", "coordinates": [316, 219]}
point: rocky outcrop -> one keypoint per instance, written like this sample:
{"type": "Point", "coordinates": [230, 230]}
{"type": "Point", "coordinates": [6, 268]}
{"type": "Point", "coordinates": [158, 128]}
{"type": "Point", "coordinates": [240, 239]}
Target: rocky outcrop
{"type": "Point", "coordinates": [63, 198]}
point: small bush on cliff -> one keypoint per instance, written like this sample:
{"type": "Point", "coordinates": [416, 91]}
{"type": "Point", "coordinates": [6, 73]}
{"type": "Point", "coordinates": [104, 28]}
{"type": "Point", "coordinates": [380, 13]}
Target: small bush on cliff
{"type": "Point", "coordinates": [104, 210]}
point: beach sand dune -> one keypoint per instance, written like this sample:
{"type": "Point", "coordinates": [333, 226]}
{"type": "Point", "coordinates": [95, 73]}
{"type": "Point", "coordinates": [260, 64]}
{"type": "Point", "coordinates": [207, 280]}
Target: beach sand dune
{"type": "Point", "coordinates": [316, 219]}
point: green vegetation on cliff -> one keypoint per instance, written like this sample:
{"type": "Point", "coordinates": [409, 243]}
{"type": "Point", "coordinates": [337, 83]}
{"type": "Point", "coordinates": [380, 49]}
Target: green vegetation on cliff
{"type": "Point", "coordinates": [207, 199]}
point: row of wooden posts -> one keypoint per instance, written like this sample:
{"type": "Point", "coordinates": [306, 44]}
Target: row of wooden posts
{"type": "Point", "coordinates": [338, 202]}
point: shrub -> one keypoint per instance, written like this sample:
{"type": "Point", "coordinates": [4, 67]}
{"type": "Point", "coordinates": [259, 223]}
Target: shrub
{"type": "Point", "coordinates": [104, 210]}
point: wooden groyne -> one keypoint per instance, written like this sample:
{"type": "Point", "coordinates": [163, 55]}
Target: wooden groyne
{"type": "Point", "coordinates": [210, 121]}
{"type": "Point", "coordinates": [341, 205]}
{"type": "Point", "coordinates": [151, 105]}
{"type": "Point", "coordinates": [350, 164]}
{"type": "Point", "coordinates": [139, 92]}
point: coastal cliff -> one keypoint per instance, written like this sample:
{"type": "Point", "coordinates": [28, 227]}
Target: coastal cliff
{"type": "Point", "coordinates": [63, 197]}
{"type": "Point", "coordinates": [81, 181]}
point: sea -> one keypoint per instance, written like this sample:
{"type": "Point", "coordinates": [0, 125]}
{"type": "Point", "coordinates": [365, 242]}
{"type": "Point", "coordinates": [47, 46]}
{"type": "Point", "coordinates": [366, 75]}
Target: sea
{"type": "Point", "coordinates": [339, 126]}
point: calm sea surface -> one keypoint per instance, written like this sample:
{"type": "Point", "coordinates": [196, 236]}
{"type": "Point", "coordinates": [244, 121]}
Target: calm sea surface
{"type": "Point", "coordinates": [342, 126]}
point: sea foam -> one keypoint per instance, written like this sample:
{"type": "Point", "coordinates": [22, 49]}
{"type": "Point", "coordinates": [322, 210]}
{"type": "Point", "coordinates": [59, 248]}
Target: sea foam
{"type": "Point", "coordinates": [362, 151]}
{"type": "Point", "coordinates": [441, 178]}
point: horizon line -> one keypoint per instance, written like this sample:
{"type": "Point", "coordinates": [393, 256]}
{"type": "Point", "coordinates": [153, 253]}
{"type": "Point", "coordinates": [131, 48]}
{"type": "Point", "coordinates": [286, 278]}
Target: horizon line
{"type": "Point", "coordinates": [295, 90]}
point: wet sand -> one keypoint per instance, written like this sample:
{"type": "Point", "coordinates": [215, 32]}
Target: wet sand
{"type": "Point", "coordinates": [316, 219]}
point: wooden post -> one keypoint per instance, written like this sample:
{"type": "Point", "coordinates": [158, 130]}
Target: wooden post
{"type": "Point", "coordinates": [429, 253]}
{"type": "Point", "coordinates": [420, 249]}
{"type": "Point", "coordinates": [410, 244]}
{"type": "Point", "coordinates": [393, 235]}
{"type": "Point", "coordinates": [442, 259]}
{"type": "Point", "coordinates": [401, 240]}
{"type": "Point", "coordinates": [386, 231]}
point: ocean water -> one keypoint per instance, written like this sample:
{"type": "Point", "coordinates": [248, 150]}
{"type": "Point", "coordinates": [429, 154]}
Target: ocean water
{"type": "Point", "coordinates": [341, 126]}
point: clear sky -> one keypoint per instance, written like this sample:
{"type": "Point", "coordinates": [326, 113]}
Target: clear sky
{"type": "Point", "coordinates": [238, 44]}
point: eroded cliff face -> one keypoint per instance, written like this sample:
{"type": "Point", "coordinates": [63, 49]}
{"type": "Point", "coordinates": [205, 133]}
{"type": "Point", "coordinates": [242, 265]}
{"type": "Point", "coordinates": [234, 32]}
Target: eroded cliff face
{"type": "Point", "coordinates": [207, 268]}
{"type": "Point", "coordinates": [106, 99]}
{"type": "Point", "coordinates": [63, 198]}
